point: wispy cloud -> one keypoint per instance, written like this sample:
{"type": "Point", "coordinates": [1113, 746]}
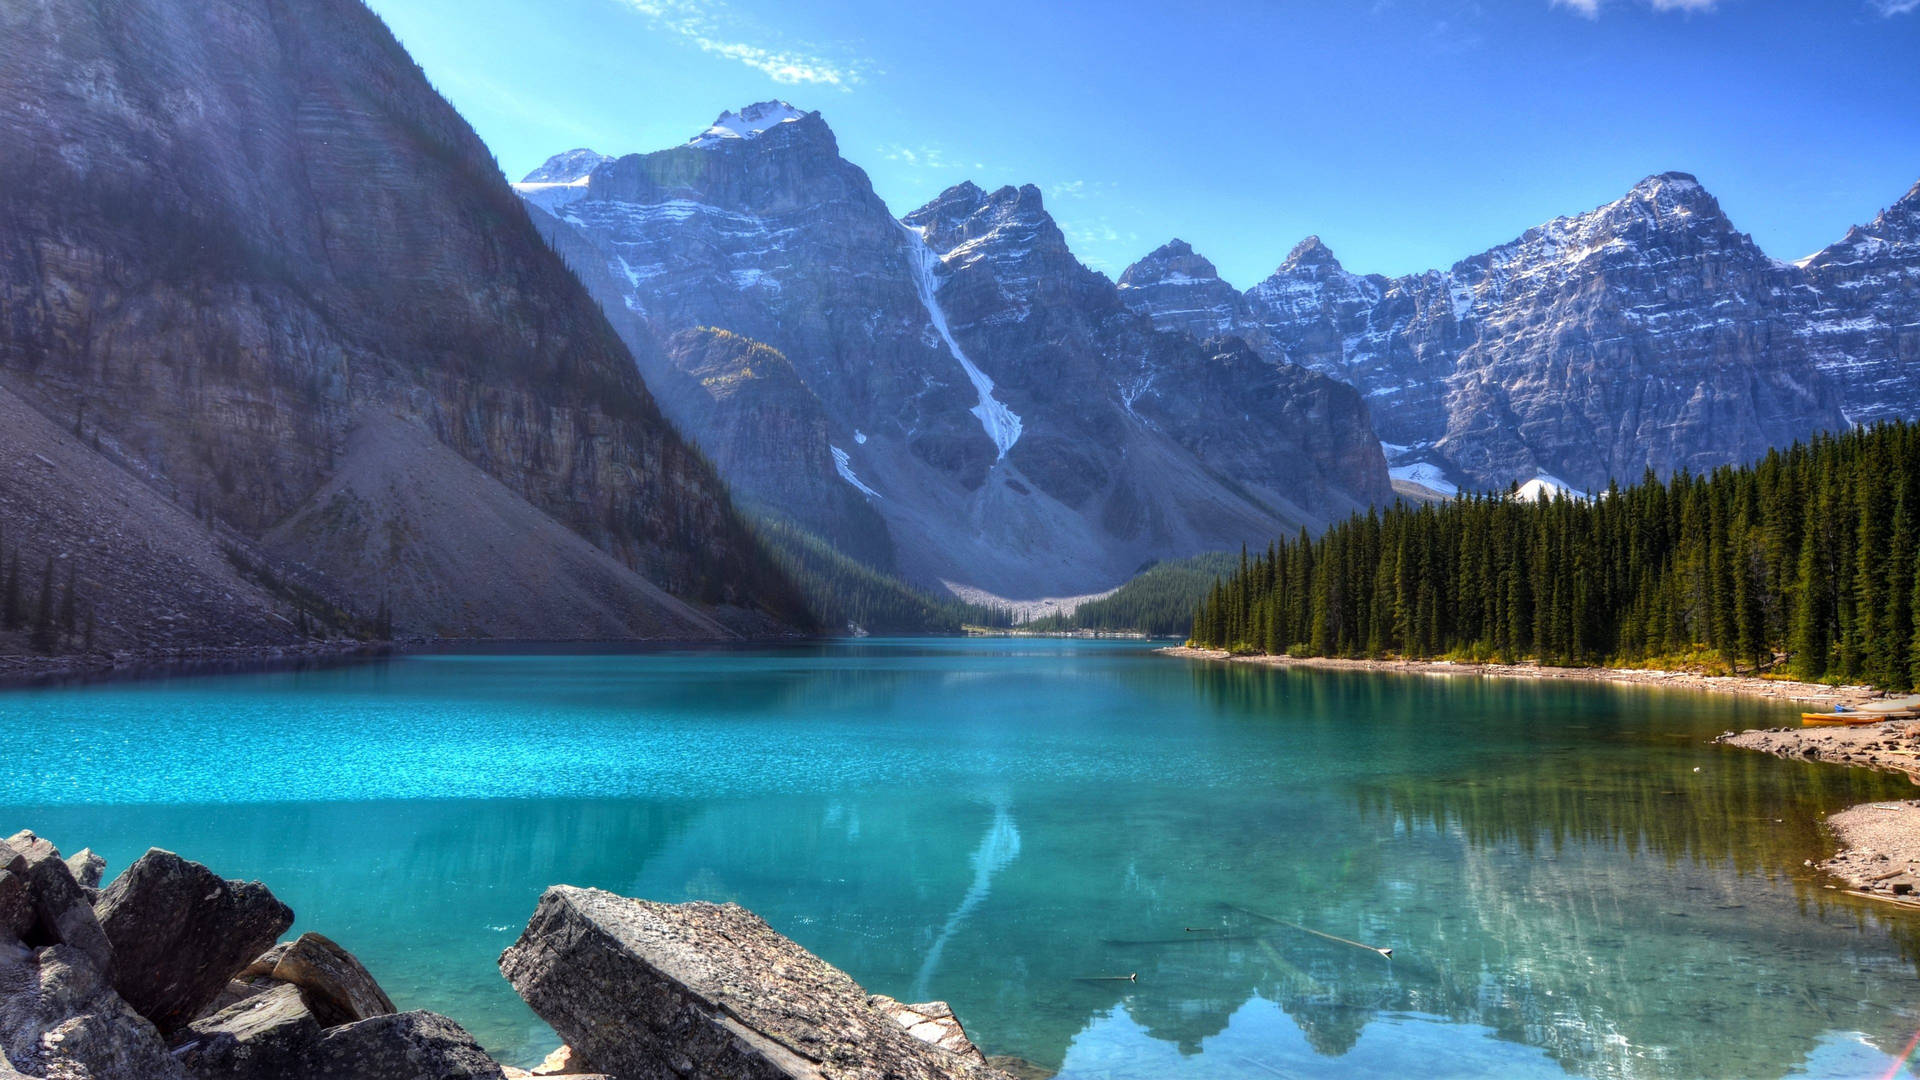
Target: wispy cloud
{"type": "Point", "coordinates": [1079, 189]}
{"type": "Point", "coordinates": [1890, 8]}
{"type": "Point", "coordinates": [711, 27]}
{"type": "Point", "coordinates": [924, 156]}
{"type": "Point", "coordinates": [1590, 9]}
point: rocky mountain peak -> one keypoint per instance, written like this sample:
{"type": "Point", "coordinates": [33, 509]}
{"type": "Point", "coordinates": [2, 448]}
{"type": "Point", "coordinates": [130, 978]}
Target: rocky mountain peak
{"type": "Point", "coordinates": [569, 167]}
{"type": "Point", "coordinates": [1174, 262]}
{"type": "Point", "coordinates": [1671, 199]}
{"type": "Point", "coordinates": [748, 123]}
{"type": "Point", "coordinates": [1310, 253]}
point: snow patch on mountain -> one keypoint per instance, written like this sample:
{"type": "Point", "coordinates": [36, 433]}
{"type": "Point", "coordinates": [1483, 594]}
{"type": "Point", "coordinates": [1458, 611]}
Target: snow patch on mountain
{"type": "Point", "coordinates": [1546, 487]}
{"type": "Point", "coordinates": [1001, 423]}
{"type": "Point", "coordinates": [747, 123]}
{"type": "Point", "coordinates": [843, 464]}
{"type": "Point", "coordinates": [1427, 475]}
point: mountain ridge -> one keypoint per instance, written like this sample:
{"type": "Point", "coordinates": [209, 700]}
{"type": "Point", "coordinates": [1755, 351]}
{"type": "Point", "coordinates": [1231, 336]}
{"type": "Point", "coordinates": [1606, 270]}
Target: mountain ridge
{"type": "Point", "coordinates": [987, 395]}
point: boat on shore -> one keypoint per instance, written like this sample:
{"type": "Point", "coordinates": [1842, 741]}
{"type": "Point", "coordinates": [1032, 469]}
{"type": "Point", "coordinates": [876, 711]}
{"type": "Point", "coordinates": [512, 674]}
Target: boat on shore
{"type": "Point", "coordinates": [1847, 719]}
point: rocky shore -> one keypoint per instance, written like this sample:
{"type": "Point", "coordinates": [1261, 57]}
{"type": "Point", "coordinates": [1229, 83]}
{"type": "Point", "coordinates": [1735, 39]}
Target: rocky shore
{"type": "Point", "coordinates": [1746, 686]}
{"type": "Point", "coordinates": [1880, 842]}
{"type": "Point", "coordinates": [174, 973]}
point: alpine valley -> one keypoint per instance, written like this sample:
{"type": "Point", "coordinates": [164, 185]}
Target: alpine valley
{"type": "Point", "coordinates": [282, 357]}
{"type": "Point", "coordinates": [952, 396]}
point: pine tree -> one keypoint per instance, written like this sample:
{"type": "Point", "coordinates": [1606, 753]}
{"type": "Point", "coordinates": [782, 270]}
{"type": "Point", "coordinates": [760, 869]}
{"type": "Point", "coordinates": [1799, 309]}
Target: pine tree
{"type": "Point", "coordinates": [43, 623]}
{"type": "Point", "coordinates": [12, 614]}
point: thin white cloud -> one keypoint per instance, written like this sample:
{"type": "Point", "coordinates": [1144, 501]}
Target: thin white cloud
{"type": "Point", "coordinates": [1080, 189]}
{"type": "Point", "coordinates": [1890, 8]}
{"type": "Point", "coordinates": [710, 27]}
{"type": "Point", "coordinates": [924, 156]}
{"type": "Point", "coordinates": [1590, 9]}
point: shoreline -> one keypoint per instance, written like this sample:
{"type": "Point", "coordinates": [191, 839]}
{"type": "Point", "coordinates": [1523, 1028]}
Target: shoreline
{"type": "Point", "coordinates": [18, 671]}
{"type": "Point", "coordinates": [1783, 690]}
{"type": "Point", "coordinates": [1879, 854]}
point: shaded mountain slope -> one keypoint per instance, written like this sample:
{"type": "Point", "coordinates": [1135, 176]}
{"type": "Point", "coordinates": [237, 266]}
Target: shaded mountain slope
{"type": "Point", "coordinates": [230, 230]}
{"type": "Point", "coordinates": [989, 399]}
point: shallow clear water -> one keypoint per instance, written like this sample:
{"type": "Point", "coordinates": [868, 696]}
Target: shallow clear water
{"type": "Point", "coordinates": [1571, 880]}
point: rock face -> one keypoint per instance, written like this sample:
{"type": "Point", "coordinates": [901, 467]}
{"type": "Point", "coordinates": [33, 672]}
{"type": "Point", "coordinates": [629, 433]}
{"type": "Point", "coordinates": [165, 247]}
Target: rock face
{"type": "Point", "coordinates": [644, 990]}
{"type": "Point", "coordinates": [274, 1037]}
{"type": "Point", "coordinates": [335, 986]}
{"type": "Point", "coordinates": [60, 1018]}
{"type": "Point", "coordinates": [232, 234]}
{"type": "Point", "coordinates": [956, 376]}
{"type": "Point", "coordinates": [61, 910]}
{"type": "Point", "coordinates": [79, 1002]}
{"type": "Point", "coordinates": [1648, 333]}
{"type": "Point", "coordinates": [180, 931]}
{"type": "Point", "coordinates": [265, 1036]}
{"type": "Point", "coordinates": [1182, 292]}
{"type": "Point", "coordinates": [1864, 333]}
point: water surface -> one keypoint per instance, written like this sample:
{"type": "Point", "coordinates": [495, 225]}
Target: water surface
{"type": "Point", "coordinates": [1571, 880]}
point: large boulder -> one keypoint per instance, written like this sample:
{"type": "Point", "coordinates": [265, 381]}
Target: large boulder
{"type": "Point", "coordinates": [273, 1036]}
{"type": "Point", "coordinates": [16, 896]}
{"type": "Point", "coordinates": [930, 1022]}
{"type": "Point", "coordinates": [62, 910]}
{"type": "Point", "coordinates": [644, 990]}
{"type": "Point", "coordinates": [180, 932]}
{"type": "Point", "coordinates": [87, 867]}
{"type": "Point", "coordinates": [336, 987]}
{"type": "Point", "coordinates": [264, 1037]}
{"type": "Point", "coordinates": [60, 1017]}
{"type": "Point", "coordinates": [400, 1046]}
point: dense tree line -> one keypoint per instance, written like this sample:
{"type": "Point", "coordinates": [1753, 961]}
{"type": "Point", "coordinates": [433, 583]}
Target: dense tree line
{"type": "Point", "coordinates": [1159, 602]}
{"type": "Point", "coordinates": [842, 592]}
{"type": "Point", "coordinates": [1805, 561]}
{"type": "Point", "coordinates": [45, 607]}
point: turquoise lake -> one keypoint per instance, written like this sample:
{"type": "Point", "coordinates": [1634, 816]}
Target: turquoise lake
{"type": "Point", "coordinates": [1572, 881]}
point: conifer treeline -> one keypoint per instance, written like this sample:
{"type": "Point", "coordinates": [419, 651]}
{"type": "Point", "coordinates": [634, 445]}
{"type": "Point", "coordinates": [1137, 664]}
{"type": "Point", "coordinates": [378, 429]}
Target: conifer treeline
{"type": "Point", "coordinates": [1807, 559]}
{"type": "Point", "coordinates": [49, 612]}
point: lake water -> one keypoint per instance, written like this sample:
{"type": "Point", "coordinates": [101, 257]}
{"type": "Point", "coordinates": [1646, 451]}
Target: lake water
{"type": "Point", "coordinates": [1571, 880]}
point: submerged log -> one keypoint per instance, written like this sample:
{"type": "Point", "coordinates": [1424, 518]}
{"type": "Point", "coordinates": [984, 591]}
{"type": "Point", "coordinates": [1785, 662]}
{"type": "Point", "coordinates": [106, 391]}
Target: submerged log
{"type": "Point", "coordinates": [644, 990]}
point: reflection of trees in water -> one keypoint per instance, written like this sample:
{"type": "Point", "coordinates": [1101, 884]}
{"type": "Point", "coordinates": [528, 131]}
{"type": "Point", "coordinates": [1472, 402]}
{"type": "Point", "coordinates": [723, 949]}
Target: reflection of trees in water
{"type": "Point", "coordinates": [1758, 814]}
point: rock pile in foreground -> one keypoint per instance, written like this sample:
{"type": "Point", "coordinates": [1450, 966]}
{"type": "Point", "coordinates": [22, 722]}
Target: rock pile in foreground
{"type": "Point", "coordinates": [648, 990]}
{"type": "Point", "coordinates": [173, 973]}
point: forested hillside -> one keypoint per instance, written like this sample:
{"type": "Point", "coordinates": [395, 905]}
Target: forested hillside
{"type": "Point", "coordinates": [844, 594]}
{"type": "Point", "coordinates": [1803, 562]}
{"type": "Point", "coordinates": [1158, 603]}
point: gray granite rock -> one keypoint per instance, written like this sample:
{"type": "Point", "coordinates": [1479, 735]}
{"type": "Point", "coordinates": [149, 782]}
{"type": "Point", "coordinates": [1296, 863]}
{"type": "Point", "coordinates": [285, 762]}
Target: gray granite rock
{"type": "Point", "coordinates": [60, 1018]}
{"type": "Point", "coordinates": [87, 868]}
{"type": "Point", "coordinates": [16, 899]}
{"type": "Point", "coordinates": [643, 990]}
{"type": "Point", "coordinates": [181, 932]}
{"type": "Point", "coordinates": [263, 1037]}
{"type": "Point", "coordinates": [274, 1036]}
{"type": "Point", "coordinates": [400, 1046]}
{"type": "Point", "coordinates": [337, 988]}
{"type": "Point", "coordinates": [62, 910]}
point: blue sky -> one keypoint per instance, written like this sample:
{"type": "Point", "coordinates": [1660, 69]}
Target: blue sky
{"type": "Point", "coordinates": [1406, 133]}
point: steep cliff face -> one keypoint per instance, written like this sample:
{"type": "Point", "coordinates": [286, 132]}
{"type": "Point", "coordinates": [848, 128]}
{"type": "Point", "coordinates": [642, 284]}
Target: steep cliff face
{"type": "Point", "coordinates": [234, 232]}
{"type": "Point", "coordinates": [981, 389]}
{"type": "Point", "coordinates": [1182, 292]}
{"type": "Point", "coordinates": [1648, 333]}
{"type": "Point", "coordinates": [1864, 330]}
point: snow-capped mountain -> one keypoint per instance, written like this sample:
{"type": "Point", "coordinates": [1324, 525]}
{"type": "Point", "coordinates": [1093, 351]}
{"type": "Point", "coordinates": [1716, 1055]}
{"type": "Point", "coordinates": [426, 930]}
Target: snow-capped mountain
{"type": "Point", "coordinates": [1647, 333]}
{"type": "Point", "coordinates": [1864, 332]}
{"type": "Point", "coordinates": [990, 413]}
{"type": "Point", "coordinates": [747, 123]}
